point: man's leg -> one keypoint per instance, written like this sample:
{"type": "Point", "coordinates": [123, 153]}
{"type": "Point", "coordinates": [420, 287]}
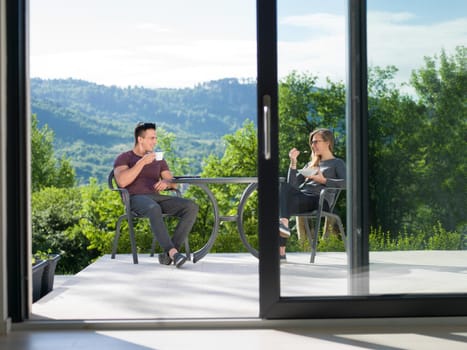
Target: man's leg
{"type": "Point", "coordinates": [186, 211]}
{"type": "Point", "coordinates": [146, 205]}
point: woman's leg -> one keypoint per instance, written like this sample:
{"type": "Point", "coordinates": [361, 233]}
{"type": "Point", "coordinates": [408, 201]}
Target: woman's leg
{"type": "Point", "coordinates": [282, 245]}
{"type": "Point", "coordinates": [292, 201]}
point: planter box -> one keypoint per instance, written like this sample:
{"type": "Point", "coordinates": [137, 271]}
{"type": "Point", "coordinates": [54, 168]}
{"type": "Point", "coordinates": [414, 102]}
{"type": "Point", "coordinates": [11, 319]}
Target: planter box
{"type": "Point", "coordinates": [43, 276]}
{"type": "Point", "coordinates": [49, 273]}
{"type": "Point", "coordinates": [37, 275]}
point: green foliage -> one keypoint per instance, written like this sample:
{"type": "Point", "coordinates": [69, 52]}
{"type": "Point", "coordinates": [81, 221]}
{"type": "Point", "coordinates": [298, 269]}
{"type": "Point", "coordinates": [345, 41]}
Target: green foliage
{"type": "Point", "coordinates": [392, 142]}
{"type": "Point", "coordinates": [55, 216]}
{"type": "Point", "coordinates": [417, 164]}
{"type": "Point", "coordinates": [437, 238]}
{"type": "Point", "coordinates": [304, 107]}
{"type": "Point", "coordinates": [240, 159]}
{"type": "Point", "coordinates": [331, 243]}
{"type": "Point", "coordinates": [441, 239]}
{"type": "Point", "coordinates": [417, 174]}
{"type": "Point", "coordinates": [228, 242]}
{"type": "Point", "coordinates": [441, 88]}
{"type": "Point", "coordinates": [94, 122]}
{"type": "Point", "coordinates": [46, 170]}
{"type": "Point", "coordinates": [100, 211]}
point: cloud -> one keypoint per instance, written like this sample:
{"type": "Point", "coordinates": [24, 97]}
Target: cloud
{"type": "Point", "coordinates": [176, 64]}
{"type": "Point", "coordinates": [404, 44]}
{"type": "Point", "coordinates": [161, 56]}
{"type": "Point", "coordinates": [394, 38]}
{"type": "Point", "coordinates": [152, 27]}
{"type": "Point", "coordinates": [324, 22]}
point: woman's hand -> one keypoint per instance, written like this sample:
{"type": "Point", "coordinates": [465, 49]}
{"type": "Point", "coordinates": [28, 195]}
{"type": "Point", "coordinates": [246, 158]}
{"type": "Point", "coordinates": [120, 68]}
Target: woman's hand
{"type": "Point", "coordinates": [318, 178]}
{"type": "Point", "coordinates": [293, 154]}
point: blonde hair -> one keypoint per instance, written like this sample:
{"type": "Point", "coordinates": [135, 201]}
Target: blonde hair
{"type": "Point", "coordinates": [327, 136]}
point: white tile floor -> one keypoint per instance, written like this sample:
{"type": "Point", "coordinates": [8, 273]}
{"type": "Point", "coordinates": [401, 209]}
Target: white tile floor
{"type": "Point", "coordinates": [390, 334]}
{"type": "Point", "coordinates": [213, 304]}
{"type": "Point", "coordinates": [226, 285]}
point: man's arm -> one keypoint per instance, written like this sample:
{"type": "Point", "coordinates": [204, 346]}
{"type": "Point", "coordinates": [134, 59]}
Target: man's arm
{"type": "Point", "coordinates": [167, 176]}
{"type": "Point", "coordinates": [126, 175]}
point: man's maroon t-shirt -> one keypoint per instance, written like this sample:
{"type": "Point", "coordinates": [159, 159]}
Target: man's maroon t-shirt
{"type": "Point", "coordinates": [149, 175]}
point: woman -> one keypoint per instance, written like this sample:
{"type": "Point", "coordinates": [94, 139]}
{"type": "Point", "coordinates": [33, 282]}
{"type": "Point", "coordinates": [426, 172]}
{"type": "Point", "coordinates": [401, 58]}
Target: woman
{"type": "Point", "coordinates": [301, 192]}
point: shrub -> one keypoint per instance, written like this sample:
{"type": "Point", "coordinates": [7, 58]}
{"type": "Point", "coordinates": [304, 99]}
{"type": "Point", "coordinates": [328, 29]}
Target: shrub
{"type": "Point", "coordinates": [55, 216]}
{"type": "Point", "coordinates": [437, 239]}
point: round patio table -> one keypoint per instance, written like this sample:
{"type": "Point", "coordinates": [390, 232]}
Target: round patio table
{"type": "Point", "coordinates": [203, 182]}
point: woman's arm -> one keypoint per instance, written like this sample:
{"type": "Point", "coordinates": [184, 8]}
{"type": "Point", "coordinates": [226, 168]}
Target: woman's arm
{"type": "Point", "coordinates": [292, 177]}
{"type": "Point", "coordinates": [341, 175]}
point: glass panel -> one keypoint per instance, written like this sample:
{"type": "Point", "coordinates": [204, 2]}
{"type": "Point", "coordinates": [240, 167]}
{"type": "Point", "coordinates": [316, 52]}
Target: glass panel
{"type": "Point", "coordinates": [311, 69]}
{"type": "Point", "coordinates": [416, 57]}
{"type": "Point", "coordinates": [417, 134]}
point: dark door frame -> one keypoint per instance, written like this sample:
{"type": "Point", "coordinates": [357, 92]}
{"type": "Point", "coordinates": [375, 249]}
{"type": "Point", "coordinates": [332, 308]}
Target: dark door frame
{"type": "Point", "coordinates": [17, 159]}
{"type": "Point", "coordinates": [272, 305]}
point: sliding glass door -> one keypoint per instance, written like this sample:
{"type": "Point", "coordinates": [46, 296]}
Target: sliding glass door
{"type": "Point", "coordinates": [343, 66]}
{"type": "Point", "coordinates": [403, 208]}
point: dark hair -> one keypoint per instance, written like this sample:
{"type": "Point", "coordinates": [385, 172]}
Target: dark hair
{"type": "Point", "coordinates": [141, 127]}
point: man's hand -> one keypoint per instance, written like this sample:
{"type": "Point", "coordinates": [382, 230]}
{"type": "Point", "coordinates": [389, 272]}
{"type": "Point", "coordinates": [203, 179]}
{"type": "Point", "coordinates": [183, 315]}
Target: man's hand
{"type": "Point", "coordinates": [148, 158]}
{"type": "Point", "coordinates": [162, 185]}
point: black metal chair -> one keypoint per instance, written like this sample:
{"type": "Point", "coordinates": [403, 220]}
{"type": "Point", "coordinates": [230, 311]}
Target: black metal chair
{"type": "Point", "coordinates": [329, 196]}
{"type": "Point", "coordinates": [129, 215]}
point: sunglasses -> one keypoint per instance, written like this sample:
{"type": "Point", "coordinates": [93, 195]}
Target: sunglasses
{"type": "Point", "coordinates": [145, 126]}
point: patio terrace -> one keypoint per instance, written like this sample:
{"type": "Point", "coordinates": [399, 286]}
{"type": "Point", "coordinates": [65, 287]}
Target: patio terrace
{"type": "Point", "coordinates": [226, 285]}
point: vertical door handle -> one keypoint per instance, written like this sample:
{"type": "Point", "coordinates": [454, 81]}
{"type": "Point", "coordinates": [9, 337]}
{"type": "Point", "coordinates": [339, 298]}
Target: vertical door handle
{"type": "Point", "coordinates": [267, 126]}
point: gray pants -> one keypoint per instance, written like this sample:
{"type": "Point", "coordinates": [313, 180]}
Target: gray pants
{"type": "Point", "coordinates": [154, 205]}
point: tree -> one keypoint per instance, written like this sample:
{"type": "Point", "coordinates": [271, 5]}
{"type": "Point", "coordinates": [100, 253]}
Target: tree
{"type": "Point", "coordinates": [304, 107]}
{"type": "Point", "coordinates": [441, 89]}
{"type": "Point", "coordinates": [393, 122]}
{"type": "Point", "coordinates": [46, 170]}
{"type": "Point", "coordinates": [56, 213]}
{"type": "Point", "coordinates": [239, 159]}
{"type": "Point", "coordinates": [416, 143]}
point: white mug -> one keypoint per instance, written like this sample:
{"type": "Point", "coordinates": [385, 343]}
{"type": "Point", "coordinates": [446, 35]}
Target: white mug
{"type": "Point", "coordinates": [159, 155]}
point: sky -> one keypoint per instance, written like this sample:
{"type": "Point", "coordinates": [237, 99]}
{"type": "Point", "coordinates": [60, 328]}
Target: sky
{"type": "Point", "coordinates": [181, 43]}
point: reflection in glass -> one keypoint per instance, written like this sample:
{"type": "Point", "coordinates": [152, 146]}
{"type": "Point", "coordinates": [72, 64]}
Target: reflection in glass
{"type": "Point", "coordinates": [417, 134]}
{"type": "Point", "coordinates": [311, 60]}
{"type": "Point", "coordinates": [416, 128]}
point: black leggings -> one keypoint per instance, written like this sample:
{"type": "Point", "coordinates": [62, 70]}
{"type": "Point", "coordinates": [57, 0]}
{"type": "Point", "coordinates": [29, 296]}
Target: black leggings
{"type": "Point", "coordinates": [293, 201]}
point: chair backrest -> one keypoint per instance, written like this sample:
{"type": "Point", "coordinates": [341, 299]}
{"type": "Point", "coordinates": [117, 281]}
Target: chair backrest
{"type": "Point", "coordinates": [332, 197]}
{"type": "Point", "coordinates": [124, 195]}
{"type": "Point", "coordinates": [111, 181]}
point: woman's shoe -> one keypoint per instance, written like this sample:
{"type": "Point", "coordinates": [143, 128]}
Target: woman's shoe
{"type": "Point", "coordinates": [179, 259]}
{"type": "Point", "coordinates": [282, 258]}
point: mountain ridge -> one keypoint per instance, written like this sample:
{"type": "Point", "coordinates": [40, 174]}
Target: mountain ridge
{"type": "Point", "coordinates": [92, 122]}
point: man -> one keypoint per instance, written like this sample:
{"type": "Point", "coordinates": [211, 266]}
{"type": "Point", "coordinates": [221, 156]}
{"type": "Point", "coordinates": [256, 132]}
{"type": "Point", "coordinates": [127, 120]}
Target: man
{"type": "Point", "coordinates": [145, 177]}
